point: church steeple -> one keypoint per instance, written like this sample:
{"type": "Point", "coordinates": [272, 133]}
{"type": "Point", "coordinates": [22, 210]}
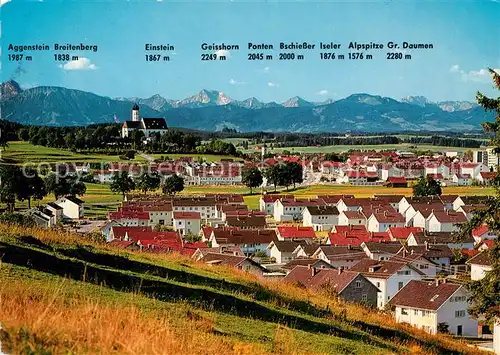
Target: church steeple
{"type": "Point", "coordinates": [135, 113]}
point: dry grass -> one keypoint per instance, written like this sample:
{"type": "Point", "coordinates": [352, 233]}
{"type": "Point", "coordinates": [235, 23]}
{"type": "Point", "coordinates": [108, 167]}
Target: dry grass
{"type": "Point", "coordinates": [37, 318]}
{"type": "Point", "coordinates": [81, 321]}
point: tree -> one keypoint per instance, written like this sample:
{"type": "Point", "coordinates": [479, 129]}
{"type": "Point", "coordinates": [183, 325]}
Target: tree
{"type": "Point", "coordinates": [427, 186]}
{"type": "Point", "coordinates": [272, 174]}
{"type": "Point", "coordinates": [251, 177]}
{"type": "Point", "coordinates": [484, 292]}
{"type": "Point", "coordinates": [137, 137]}
{"type": "Point", "coordinates": [31, 186]}
{"type": "Point", "coordinates": [148, 181]}
{"type": "Point", "coordinates": [295, 173]}
{"type": "Point", "coordinates": [23, 134]}
{"type": "Point", "coordinates": [173, 184]}
{"type": "Point", "coordinates": [64, 185]}
{"type": "Point", "coordinates": [122, 183]}
{"type": "Point", "coordinates": [9, 185]}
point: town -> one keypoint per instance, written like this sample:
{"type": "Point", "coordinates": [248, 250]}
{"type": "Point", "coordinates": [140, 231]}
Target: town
{"type": "Point", "coordinates": [379, 250]}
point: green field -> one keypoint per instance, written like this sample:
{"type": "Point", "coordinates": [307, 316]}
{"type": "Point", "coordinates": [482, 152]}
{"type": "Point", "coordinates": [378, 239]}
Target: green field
{"type": "Point", "coordinates": [63, 294]}
{"type": "Point", "coordinates": [204, 157]}
{"type": "Point", "coordinates": [24, 152]}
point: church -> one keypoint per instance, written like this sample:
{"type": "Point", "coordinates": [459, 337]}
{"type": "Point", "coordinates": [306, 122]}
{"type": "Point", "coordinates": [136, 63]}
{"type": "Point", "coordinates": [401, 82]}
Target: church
{"type": "Point", "coordinates": [147, 125]}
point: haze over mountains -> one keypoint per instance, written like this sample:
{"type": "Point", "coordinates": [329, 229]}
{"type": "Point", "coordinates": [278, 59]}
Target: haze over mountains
{"type": "Point", "coordinates": [214, 110]}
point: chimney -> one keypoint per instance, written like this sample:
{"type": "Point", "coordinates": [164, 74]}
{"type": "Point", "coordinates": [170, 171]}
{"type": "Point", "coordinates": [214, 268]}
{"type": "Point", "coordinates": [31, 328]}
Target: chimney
{"type": "Point", "coordinates": [341, 269]}
{"type": "Point", "coordinates": [438, 282]}
{"type": "Point", "coordinates": [313, 271]}
{"type": "Point", "coordinates": [426, 245]}
{"type": "Point", "coordinates": [404, 253]}
{"type": "Point", "coordinates": [349, 246]}
{"type": "Point", "coordinates": [411, 252]}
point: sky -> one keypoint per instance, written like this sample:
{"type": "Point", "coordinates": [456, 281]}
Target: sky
{"type": "Point", "coordinates": [465, 36]}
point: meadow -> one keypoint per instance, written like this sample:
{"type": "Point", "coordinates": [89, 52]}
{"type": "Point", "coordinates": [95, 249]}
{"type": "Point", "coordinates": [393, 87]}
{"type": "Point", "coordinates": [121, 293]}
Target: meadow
{"type": "Point", "coordinates": [64, 294]}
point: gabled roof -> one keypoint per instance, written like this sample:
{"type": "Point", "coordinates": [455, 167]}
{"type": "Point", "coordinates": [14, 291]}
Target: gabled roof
{"type": "Point", "coordinates": [424, 295]}
{"type": "Point", "coordinates": [342, 252]}
{"type": "Point", "coordinates": [353, 215]}
{"type": "Point", "coordinates": [272, 198]}
{"type": "Point", "coordinates": [258, 236]}
{"type": "Point", "coordinates": [381, 269]}
{"type": "Point", "coordinates": [296, 232]}
{"type": "Point", "coordinates": [450, 217]}
{"type": "Point", "coordinates": [286, 246]}
{"type": "Point", "coordinates": [119, 231]}
{"type": "Point", "coordinates": [186, 215]}
{"type": "Point", "coordinates": [388, 217]}
{"type": "Point", "coordinates": [226, 259]}
{"type": "Point", "coordinates": [402, 233]}
{"type": "Point", "coordinates": [431, 250]}
{"type": "Point", "coordinates": [483, 259]}
{"type": "Point", "coordinates": [389, 248]}
{"type": "Point", "coordinates": [438, 238]}
{"type": "Point", "coordinates": [154, 123]}
{"type": "Point", "coordinates": [54, 206]}
{"type": "Point", "coordinates": [132, 124]}
{"type": "Point", "coordinates": [337, 279]}
{"type": "Point", "coordinates": [322, 210]}
{"type": "Point", "coordinates": [306, 262]}
{"type": "Point", "coordinates": [252, 221]}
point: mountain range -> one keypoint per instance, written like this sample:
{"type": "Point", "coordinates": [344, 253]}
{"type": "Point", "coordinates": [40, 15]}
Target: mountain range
{"type": "Point", "coordinates": [214, 110]}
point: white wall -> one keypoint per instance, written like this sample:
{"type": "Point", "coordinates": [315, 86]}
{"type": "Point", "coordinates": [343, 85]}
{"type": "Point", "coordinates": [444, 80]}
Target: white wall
{"type": "Point", "coordinates": [446, 314]}
{"type": "Point", "coordinates": [477, 272]}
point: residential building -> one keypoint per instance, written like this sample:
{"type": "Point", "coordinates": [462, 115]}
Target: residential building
{"type": "Point", "coordinates": [72, 207]}
{"type": "Point", "coordinates": [347, 285]}
{"type": "Point", "coordinates": [388, 276]}
{"type": "Point", "coordinates": [462, 179]}
{"type": "Point", "coordinates": [187, 223]}
{"type": "Point", "coordinates": [480, 264]}
{"type": "Point", "coordinates": [351, 218]}
{"type": "Point", "coordinates": [295, 233]}
{"type": "Point", "coordinates": [282, 251]}
{"type": "Point", "coordinates": [381, 251]}
{"type": "Point", "coordinates": [250, 241]}
{"type": "Point", "coordinates": [380, 222]}
{"type": "Point", "coordinates": [340, 257]}
{"type": "Point", "coordinates": [435, 305]}
{"type": "Point", "coordinates": [445, 221]}
{"type": "Point", "coordinates": [321, 218]}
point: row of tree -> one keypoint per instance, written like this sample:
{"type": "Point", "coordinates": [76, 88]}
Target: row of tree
{"type": "Point", "coordinates": [148, 181]}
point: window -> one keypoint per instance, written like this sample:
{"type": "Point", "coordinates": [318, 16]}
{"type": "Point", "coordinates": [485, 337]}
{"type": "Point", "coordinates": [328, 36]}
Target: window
{"type": "Point", "coordinates": [364, 297]}
{"type": "Point", "coordinates": [358, 284]}
{"type": "Point", "coordinates": [458, 299]}
{"type": "Point", "coordinates": [400, 285]}
{"type": "Point", "coordinates": [460, 314]}
{"type": "Point", "coordinates": [415, 312]}
{"type": "Point", "coordinates": [404, 312]}
{"type": "Point", "coordinates": [378, 284]}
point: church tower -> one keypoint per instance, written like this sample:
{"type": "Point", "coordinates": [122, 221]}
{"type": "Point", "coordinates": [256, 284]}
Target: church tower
{"type": "Point", "coordinates": [135, 113]}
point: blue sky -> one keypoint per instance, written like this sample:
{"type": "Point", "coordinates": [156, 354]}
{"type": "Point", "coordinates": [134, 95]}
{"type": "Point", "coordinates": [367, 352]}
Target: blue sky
{"type": "Point", "coordinates": [465, 35]}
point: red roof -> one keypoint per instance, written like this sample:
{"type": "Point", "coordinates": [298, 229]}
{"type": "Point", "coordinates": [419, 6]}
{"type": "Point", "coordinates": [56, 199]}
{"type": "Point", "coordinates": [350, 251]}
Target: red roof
{"type": "Point", "coordinates": [489, 243]}
{"type": "Point", "coordinates": [424, 295]}
{"type": "Point", "coordinates": [490, 175]}
{"type": "Point", "coordinates": [403, 232]}
{"type": "Point", "coordinates": [187, 215]}
{"type": "Point", "coordinates": [450, 217]}
{"type": "Point", "coordinates": [165, 237]}
{"type": "Point", "coordinates": [129, 215]}
{"type": "Point", "coordinates": [296, 232]}
{"type": "Point", "coordinates": [331, 164]}
{"type": "Point", "coordinates": [344, 229]}
{"type": "Point", "coordinates": [470, 165]}
{"type": "Point", "coordinates": [356, 238]}
{"type": "Point", "coordinates": [119, 232]}
{"type": "Point", "coordinates": [397, 180]}
{"type": "Point", "coordinates": [272, 198]}
{"type": "Point", "coordinates": [480, 231]}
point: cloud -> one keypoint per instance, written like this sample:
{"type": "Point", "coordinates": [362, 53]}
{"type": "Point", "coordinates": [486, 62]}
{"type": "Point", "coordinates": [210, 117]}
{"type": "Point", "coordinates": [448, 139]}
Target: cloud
{"type": "Point", "coordinates": [265, 70]}
{"type": "Point", "coordinates": [3, 2]}
{"type": "Point", "coordinates": [478, 76]}
{"type": "Point", "coordinates": [322, 92]}
{"type": "Point", "coordinates": [236, 82]}
{"type": "Point", "coordinates": [222, 53]}
{"type": "Point", "coordinates": [80, 64]}
{"type": "Point", "coordinates": [273, 85]}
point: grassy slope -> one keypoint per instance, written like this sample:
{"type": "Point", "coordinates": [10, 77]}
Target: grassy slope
{"type": "Point", "coordinates": [65, 293]}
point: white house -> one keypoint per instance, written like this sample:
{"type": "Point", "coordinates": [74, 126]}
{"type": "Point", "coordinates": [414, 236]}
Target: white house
{"type": "Point", "coordinates": [389, 276]}
{"type": "Point", "coordinates": [266, 203]}
{"type": "Point", "coordinates": [282, 251]}
{"type": "Point", "coordinates": [480, 264]}
{"type": "Point", "coordinates": [473, 169]}
{"type": "Point", "coordinates": [435, 169]}
{"type": "Point", "coordinates": [380, 222]}
{"type": "Point", "coordinates": [351, 218]}
{"type": "Point", "coordinates": [482, 233]}
{"type": "Point", "coordinates": [439, 305]}
{"type": "Point", "coordinates": [72, 207]}
{"type": "Point", "coordinates": [462, 179]}
{"type": "Point", "coordinates": [187, 222]}
{"type": "Point", "coordinates": [439, 238]}
{"type": "Point", "coordinates": [56, 210]}
{"type": "Point", "coordinates": [445, 221]}
{"type": "Point", "coordinates": [321, 218]}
